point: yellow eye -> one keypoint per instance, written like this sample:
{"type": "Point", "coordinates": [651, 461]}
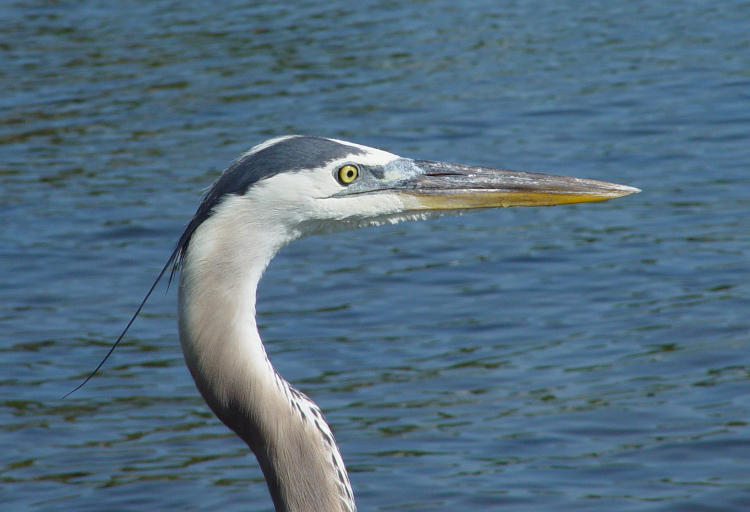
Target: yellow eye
{"type": "Point", "coordinates": [348, 173]}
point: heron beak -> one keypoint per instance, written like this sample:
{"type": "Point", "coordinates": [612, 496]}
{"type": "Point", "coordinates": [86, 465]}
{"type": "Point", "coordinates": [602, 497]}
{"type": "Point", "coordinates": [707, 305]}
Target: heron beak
{"type": "Point", "coordinates": [443, 186]}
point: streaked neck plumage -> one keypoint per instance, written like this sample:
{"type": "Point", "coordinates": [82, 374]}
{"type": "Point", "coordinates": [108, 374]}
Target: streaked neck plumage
{"type": "Point", "coordinates": [225, 355]}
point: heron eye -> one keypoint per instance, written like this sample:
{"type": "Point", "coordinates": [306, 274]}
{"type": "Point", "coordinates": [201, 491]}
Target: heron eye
{"type": "Point", "coordinates": [348, 173]}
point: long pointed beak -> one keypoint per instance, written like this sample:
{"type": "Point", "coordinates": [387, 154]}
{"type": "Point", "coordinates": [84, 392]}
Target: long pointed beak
{"type": "Point", "coordinates": [443, 186]}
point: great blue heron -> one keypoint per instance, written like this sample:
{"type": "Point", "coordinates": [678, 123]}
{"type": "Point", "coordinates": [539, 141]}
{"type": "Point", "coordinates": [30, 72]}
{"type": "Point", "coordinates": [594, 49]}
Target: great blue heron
{"type": "Point", "coordinates": [281, 190]}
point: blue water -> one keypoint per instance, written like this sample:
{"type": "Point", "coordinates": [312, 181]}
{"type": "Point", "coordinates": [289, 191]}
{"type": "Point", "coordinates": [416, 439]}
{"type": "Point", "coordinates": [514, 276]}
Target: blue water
{"type": "Point", "coordinates": [589, 357]}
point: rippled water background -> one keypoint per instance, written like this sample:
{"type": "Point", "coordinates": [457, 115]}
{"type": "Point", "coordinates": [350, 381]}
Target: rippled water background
{"type": "Point", "coordinates": [591, 357]}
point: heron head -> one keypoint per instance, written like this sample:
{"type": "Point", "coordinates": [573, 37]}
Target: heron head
{"type": "Point", "coordinates": [301, 185]}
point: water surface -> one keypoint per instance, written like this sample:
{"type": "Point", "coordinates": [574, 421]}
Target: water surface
{"type": "Point", "coordinates": [579, 358]}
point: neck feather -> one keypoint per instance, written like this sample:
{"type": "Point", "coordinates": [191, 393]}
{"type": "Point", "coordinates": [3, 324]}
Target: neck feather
{"type": "Point", "coordinates": [223, 350]}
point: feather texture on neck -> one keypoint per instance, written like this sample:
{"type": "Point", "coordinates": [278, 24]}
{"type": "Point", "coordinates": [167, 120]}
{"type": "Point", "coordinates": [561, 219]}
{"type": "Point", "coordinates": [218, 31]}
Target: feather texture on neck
{"type": "Point", "coordinates": [223, 350]}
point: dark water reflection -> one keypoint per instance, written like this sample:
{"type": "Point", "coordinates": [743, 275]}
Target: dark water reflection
{"type": "Point", "coordinates": [574, 358]}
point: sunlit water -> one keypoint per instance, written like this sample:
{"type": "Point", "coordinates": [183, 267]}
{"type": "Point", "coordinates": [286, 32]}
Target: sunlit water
{"type": "Point", "coordinates": [590, 357]}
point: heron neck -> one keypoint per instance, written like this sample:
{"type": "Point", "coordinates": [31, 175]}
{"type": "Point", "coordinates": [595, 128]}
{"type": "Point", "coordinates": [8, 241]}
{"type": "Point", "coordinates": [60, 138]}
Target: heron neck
{"type": "Point", "coordinates": [223, 350]}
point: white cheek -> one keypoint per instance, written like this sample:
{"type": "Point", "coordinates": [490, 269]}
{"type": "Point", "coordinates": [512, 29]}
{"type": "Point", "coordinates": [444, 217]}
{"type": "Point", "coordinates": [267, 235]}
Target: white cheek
{"type": "Point", "coordinates": [360, 206]}
{"type": "Point", "coordinates": [295, 202]}
{"type": "Point", "coordinates": [293, 191]}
